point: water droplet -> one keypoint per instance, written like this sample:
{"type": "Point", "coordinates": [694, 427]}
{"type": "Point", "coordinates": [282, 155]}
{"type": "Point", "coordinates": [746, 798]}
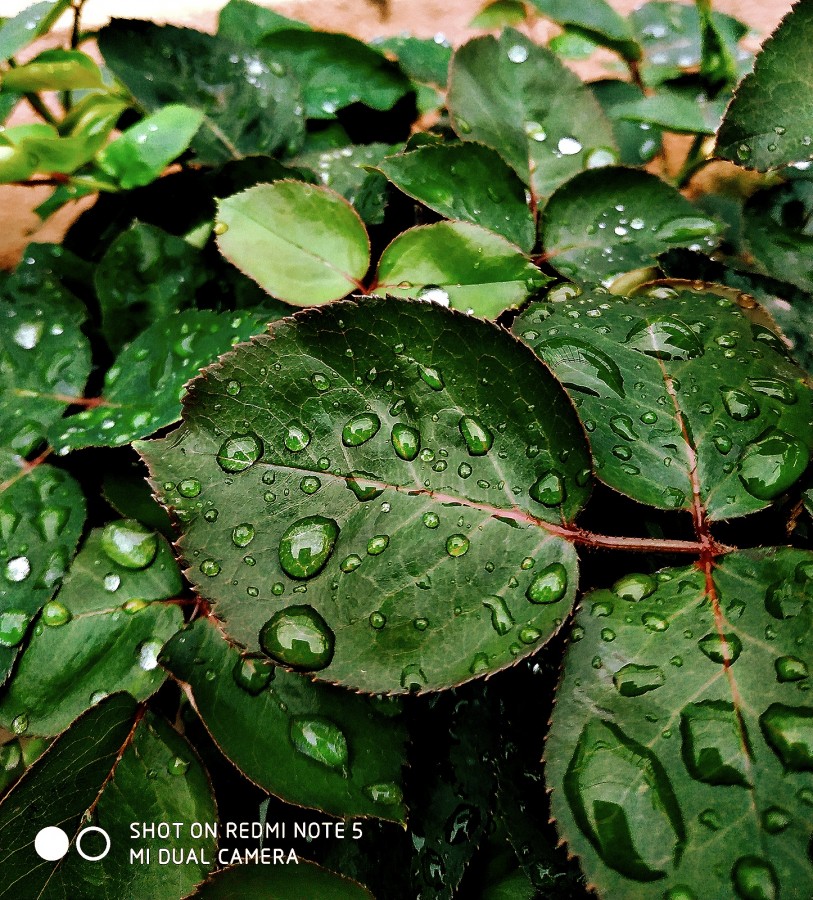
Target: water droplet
{"type": "Point", "coordinates": [518, 53]}
{"type": "Point", "coordinates": [548, 489]}
{"type": "Point", "coordinates": [710, 819]}
{"type": "Point", "coordinates": [430, 519]}
{"type": "Point", "coordinates": [665, 337]}
{"type": "Point", "coordinates": [297, 437]}
{"type": "Point", "coordinates": [607, 634]}
{"type": "Point", "coordinates": [680, 892]}
{"type": "Point", "coordinates": [252, 675]}
{"type": "Point", "coordinates": [350, 563]}
{"type": "Point", "coordinates": [320, 382]}
{"type": "Point", "coordinates": [233, 388]}
{"type": "Point", "coordinates": [649, 418]}
{"type": "Point", "coordinates": [790, 668]}
{"type": "Point", "coordinates": [580, 366]}
{"type": "Point", "coordinates": [457, 544]}
{"type": "Point", "coordinates": [406, 441]}
{"type": "Point", "coordinates": [686, 228]}
{"type": "Point", "coordinates": [569, 146]}
{"type": "Point", "coordinates": [431, 377]}
{"type": "Point", "coordinates": [360, 429]}
{"type": "Point", "coordinates": [242, 535]}
{"type": "Point", "coordinates": [320, 740]}
{"type": "Point", "coordinates": [18, 568]}
{"type": "Point", "coordinates": [635, 587]}
{"type": "Point", "coordinates": [477, 437]}
{"type": "Point", "coordinates": [549, 585]}
{"type": "Point", "coordinates": [189, 487]}
{"type": "Point", "coordinates": [740, 405]}
{"type": "Point", "coordinates": [54, 614]}
{"type": "Point", "coordinates": [723, 443]}
{"type": "Point", "coordinates": [420, 624]}
{"type": "Point", "coordinates": [622, 425]}
{"type": "Point", "coordinates": [310, 484]}
{"type": "Point", "coordinates": [13, 626]}
{"type": "Point", "coordinates": [129, 544]}
{"type": "Point", "coordinates": [788, 730]}
{"type": "Point", "coordinates": [413, 677]}
{"type": "Point", "coordinates": [464, 470]}
{"type": "Point", "coordinates": [299, 637]}
{"type": "Point", "coordinates": [111, 582]}
{"type": "Point", "coordinates": [377, 619]}
{"type": "Point", "coordinates": [239, 452]}
{"type": "Point", "coordinates": [364, 486]}
{"type": "Point", "coordinates": [306, 546]}
{"type": "Point", "coordinates": [713, 743]}
{"type": "Point", "coordinates": [754, 879]}
{"type": "Point", "coordinates": [633, 830]}
{"type": "Point", "coordinates": [775, 389]}
{"type": "Point", "coordinates": [784, 600]}
{"type": "Point", "coordinates": [210, 568]}
{"type": "Point", "coordinates": [770, 465]}
{"type": "Point", "coordinates": [148, 654]}
{"type": "Point", "coordinates": [19, 724]}
{"type": "Point", "coordinates": [718, 647]}
{"type": "Point", "coordinates": [601, 157]}
{"type": "Point", "coordinates": [377, 544]}
{"type": "Point", "coordinates": [653, 622]}
{"type": "Point", "coordinates": [633, 680]}
{"type": "Point", "coordinates": [501, 619]}
{"type": "Point", "coordinates": [385, 793]}
{"type": "Point", "coordinates": [775, 819]}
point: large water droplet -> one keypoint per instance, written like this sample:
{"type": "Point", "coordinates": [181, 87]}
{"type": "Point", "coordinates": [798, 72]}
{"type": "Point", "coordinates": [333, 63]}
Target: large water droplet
{"type": "Point", "coordinates": [406, 441]}
{"type": "Point", "coordinates": [740, 405]}
{"type": "Point", "coordinates": [54, 614]}
{"type": "Point", "coordinates": [305, 547]}
{"type": "Point", "coordinates": [774, 388]}
{"type": "Point", "coordinates": [477, 437]}
{"type": "Point", "coordinates": [189, 487]}
{"type": "Point", "coordinates": [148, 654]}
{"type": "Point", "coordinates": [13, 625]}
{"type": "Point", "coordinates": [788, 731]}
{"type": "Point", "coordinates": [320, 740]}
{"type": "Point", "coordinates": [633, 680]}
{"type": "Point", "coordinates": [548, 489]}
{"type": "Point", "coordinates": [298, 637]}
{"type": "Point", "coordinates": [713, 743]}
{"type": "Point", "coordinates": [666, 337]}
{"type": "Point", "coordinates": [239, 452]}
{"type": "Point", "coordinates": [634, 587]}
{"type": "Point", "coordinates": [549, 585]}
{"type": "Point", "coordinates": [431, 377]}
{"type": "Point", "coordinates": [457, 545]}
{"type": "Point", "coordinates": [129, 543]}
{"type": "Point", "coordinates": [622, 799]}
{"type": "Point", "coordinates": [18, 568]}
{"type": "Point", "coordinates": [623, 426]}
{"type": "Point", "coordinates": [297, 437]}
{"type": "Point", "coordinates": [719, 648]}
{"type": "Point", "coordinates": [360, 429]}
{"type": "Point", "coordinates": [253, 675]}
{"type": "Point", "coordinates": [790, 668]}
{"type": "Point", "coordinates": [769, 466]}
{"type": "Point", "coordinates": [754, 879]}
{"type": "Point", "coordinates": [580, 366]}
{"type": "Point", "coordinates": [501, 619]}
{"type": "Point", "coordinates": [242, 535]}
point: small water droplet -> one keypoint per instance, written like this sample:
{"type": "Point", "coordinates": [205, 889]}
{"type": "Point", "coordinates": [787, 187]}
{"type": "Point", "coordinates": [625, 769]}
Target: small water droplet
{"type": "Point", "coordinates": [633, 680]}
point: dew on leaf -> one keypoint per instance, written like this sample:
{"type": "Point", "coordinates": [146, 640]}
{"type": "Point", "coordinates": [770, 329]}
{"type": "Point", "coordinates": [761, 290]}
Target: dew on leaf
{"type": "Point", "coordinates": [148, 654]}
{"type": "Point", "coordinates": [788, 731]}
{"type": "Point", "coordinates": [721, 647]}
{"type": "Point", "coordinates": [299, 637]}
{"type": "Point", "coordinates": [18, 568]}
{"type": "Point", "coordinates": [635, 587]}
{"type": "Point", "coordinates": [430, 519]}
{"type": "Point", "coordinates": [754, 879]}
{"type": "Point", "coordinates": [242, 535]}
{"type": "Point", "coordinates": [412, 677]}
{"type": "Point", "coordinates": [633, 680]}
{"type": "Point", "coordinates": [548, 489]}
{"type": "Point", "coordinates": [239, 452]}
{"type": "Point", "coordinates": [666, 338]}
{"type": "Point", "coordinates": [310, 484]}
{"type": "Point", "coordinates": [790, 668]}
{"type": "Point", "coordinates": [477, 437]}
{"type": "Point", "coordinates": [129, 544]}
{"type": "Point", "coordinates": [549, 585]}
{"type": "Point", "coordinates": [377, 620]}
{"type": "Point", "coordinates": [210, 568]}
{"type": "Point", "coordinates": [770, 465]}
{"type": "Point", "coordinates": [377, 544]}
{"type": "Point", "coordinates": [319, 740]}
{"type": "Point", "coordinates": [581, 366]}
{"type": "Point", "coordinates": [189, 487]}
{"type": "Point", "coordinates": [457, 544]}
{"type": "Point", "coordinates": [54, 614]}
{"type": "Point", "coordinates": [623, 426]}
{"type": "Point", "coordinates": [740, 405]}
{"type": "Point", "coordinates": [713, 749]}
{"type": "Point", "coordinates": [252, 675]}
{"type": "Point", "coordinates": [297, 437]}
{"type": "Point", "coordinates": [363, 486]}
{"type": "Point", "coordinates": [360, 429]}
{"type": "Point", "coordinates": [384, 793]}
{"type": "Point", "coordinates": [306, 546]}
{"type": "Point", "coordinates": [501, 619]}
{"type": "Point", "coordinates": [13, 626]}
{"type": "Point", "coordinates": [406, 441]}
{"type": "Point", "coordinates": [350, 563]}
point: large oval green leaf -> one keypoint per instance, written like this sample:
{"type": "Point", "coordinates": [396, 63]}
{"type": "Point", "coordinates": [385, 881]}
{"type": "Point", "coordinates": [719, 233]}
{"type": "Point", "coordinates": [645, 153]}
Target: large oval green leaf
{"type": "Point", "coordinates": [681, 746]}
{"type": "Point", "coordinates": [310, 744]}
{"type": "Point", "coordinates": [306, 245]}
{"type": "Point", "coordinates": [687, 403]}
{"type": "Point", "coordinates": [373, 482]}
{"type": "Point", "coordinates": [521, 101]}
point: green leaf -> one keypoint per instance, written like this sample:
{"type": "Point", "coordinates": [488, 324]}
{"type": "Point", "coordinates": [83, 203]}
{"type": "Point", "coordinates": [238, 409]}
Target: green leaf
{"type": "Point", "coordinates": [572, 44]}
{"type": "Point", "coordinates": [459, 265]}
{"type": "Point", "coordinates": [303, 244]}
{"type": "Point", "coordinates": [424, 60]}
{"type": "Point", "coordinates": [768, 124]}
{"type": "Point", "coordinates": [670, 35]}
{"type": "Point", "coordinates": [344, 170]}
{"type": "Point", "coordinates": [776, 228]}
{"type": "Point", "coordinates": [101, 634]}
{"type": "Point", "coordinates": [306, 879]}
{"type": "Point", "coordinates": [125, 489]}
{"type": "Point", "coordinates": [248, 23]}
{"type": "Point", "coordinates": [310, 744]}
{"type": "Point", "coordinates": [249, 106]}
{"type": "Point", "coordinates": [521, 101]}
{"type": "Point", "coordinates": [500, 14]}
{"type": "Point", "coordinates": [680, 110]}
{"type": "Point", "coordinates": [688, 404]}
{"type": "Point", "coordinates": [680, 752]}
{"type": "Point", "coordinates": [397, 441]}
{"type": "Point", "coordinates": [42, 513]}
{"type": "Point", "coordinates": [44, 364]}
{"type": "Point", "coordinates": [143, 388]}
{"type": "Point", "coordinates": [336, 70]}
{"type": "Point", "coordinates": [467, 182]}
{"type": "Point", "coordinates": [146, 274]}
{"type": "Point", "coordinates": [597, 20]}
{"type": "Point", "coordinates": [602, 224]}
{"type": "Point", "coordinates": [54, 70]}
{"type": "Point", "coordinates": [19, 31]}
{"type": "Point", "coordinates": [145, 149]}
{"type": "Point", "coordinates": [108, 766]}
{"type": "Point", "coordinates": [639, 143]}
{"type": "Point", "coordinates": [38, 147]}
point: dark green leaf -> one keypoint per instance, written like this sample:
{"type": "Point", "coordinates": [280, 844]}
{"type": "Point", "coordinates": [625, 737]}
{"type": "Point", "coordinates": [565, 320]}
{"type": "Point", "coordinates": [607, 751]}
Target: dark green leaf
{"type": "Point", "coordinates": [596, 19]}
{"type": "Point", "coordinates": [310, 744]}
{"type": "Point", "coordinates": [279, 882]}
{"type": "Point", "coordinates": [336, 70]}
{"type": "Point", "coordinates": [250, 105]}
{"type": "Point", "coordinates": [639, 143]}
{"type": "Point", "coordinates": [680, 752]}
{"type": "Point", "coordinates": [303, 244]}
{"type": "Point", "coordinates": [521, 101]}
{"type": "Point", "coordinates": [418, 432]}
{"type": "Point", "coordinates": [101, 634]}
{"type": "Point", "coordinates": [18, 32]}
{"type": "Point", "coordinates": [143, 388]}
{"type": "Point", "coordinates": [145, 275]}
{"type": "Point", "coordinates": [248, 23]}
{"type": "Point", "coordinates": [689, 405]}
{"type": "Point", "coordinates": [602, 224]}
{"type": "Point", "coordinates": [459, 265]}
{"type": "Point", "coordinates": [42, 513]}
{"type": "Point", "coordinates": [468, 182]}
{"type": "Point", "coordinates": [424, 60]}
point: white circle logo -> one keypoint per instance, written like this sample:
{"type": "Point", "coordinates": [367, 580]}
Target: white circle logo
{"type": "Point", "coordinates": [51, 843]}
{"type": "Point", "coordinates": [88, 856]}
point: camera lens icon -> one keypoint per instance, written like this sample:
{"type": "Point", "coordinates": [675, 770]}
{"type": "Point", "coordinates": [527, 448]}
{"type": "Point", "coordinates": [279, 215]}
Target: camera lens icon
{"type": "Point", "coordinates": [52, 843]}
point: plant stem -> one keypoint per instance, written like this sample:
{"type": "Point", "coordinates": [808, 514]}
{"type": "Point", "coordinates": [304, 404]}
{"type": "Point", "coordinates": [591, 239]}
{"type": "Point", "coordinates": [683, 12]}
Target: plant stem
{"type": "Point", "coordinates": [694, 161]}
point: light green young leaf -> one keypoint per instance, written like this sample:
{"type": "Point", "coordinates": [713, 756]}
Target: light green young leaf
{"type": "Point", "coordinates": [602, 224]}
{"type": "Point", "coordinates": [680, 752]}
{"type": "Point", "coordinates": [19, 31]}
{"type": "Point", "coordinates": [303, 244]}
{"type": "Point", "coordinates": [54, 70]}
{"type": "Point", "coordinates": [459, 265]}
{"type": "Point", "coordinates": [500, 14]}
{"type": "Point", "coordinates": [145, 149]}
{"type": "Point", "coordinates": [597, 20]}
{"type": "Point", "coordinates": [144, 386]}
{"type": "Point", "coordinates": [310, 744]}
{"type": "Point", "coordinates": [387, 457]}
{"type": "Point", "coordinates": [467, 182]}
{"type": "Point", "coordinates": [521, 101]}
{"type": "Point", "coordinates": [688, 403]}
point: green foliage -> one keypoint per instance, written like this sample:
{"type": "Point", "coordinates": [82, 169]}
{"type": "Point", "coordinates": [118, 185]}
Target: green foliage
{"type": "Point", "coordinates": [423, 340]}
